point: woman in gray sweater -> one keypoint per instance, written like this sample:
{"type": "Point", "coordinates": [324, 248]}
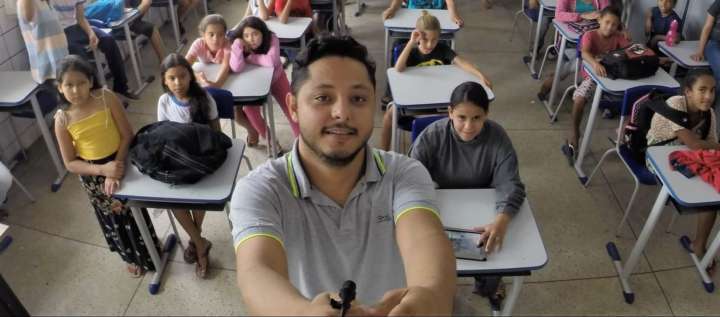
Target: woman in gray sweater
{"type": "Point", "coordinates": [467, 150]}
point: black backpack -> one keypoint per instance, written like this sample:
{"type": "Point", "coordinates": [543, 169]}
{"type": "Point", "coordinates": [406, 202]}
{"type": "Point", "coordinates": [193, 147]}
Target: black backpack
{"type": "Point", "coordinates": [178, 153]}
{"type": "Point", "coordinates": [642, 113]}
{"type": "Point", "coordinates": [633, 62]}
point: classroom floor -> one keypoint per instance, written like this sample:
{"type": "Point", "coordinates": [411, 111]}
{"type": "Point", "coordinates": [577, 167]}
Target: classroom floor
{"type": "Point", "coordinates": [59, 263]}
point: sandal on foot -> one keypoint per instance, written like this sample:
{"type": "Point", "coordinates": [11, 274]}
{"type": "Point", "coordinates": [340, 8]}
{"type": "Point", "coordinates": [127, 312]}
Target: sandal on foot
{"type": "Point", "coordinates": [201, 271]}
{"type": "Point", "coordinates": [190, 254]}
{"type": "Point", "coordinates": [569, 151]}
{"type": "Point", "coordinates": [252, 142]}
{"type": "Point", "coordinates": [135, 270]}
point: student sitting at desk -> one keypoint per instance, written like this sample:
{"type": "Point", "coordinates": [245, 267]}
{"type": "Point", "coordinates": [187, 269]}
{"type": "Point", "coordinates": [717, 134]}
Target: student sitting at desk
{"type": "Point", "coordinates": [93, 135]}
{"type": "Point", "coordinates": [256, 44]}
{"type": "Point", "coordinates": [214, 48]}
{"type": "Point", "coordinates": [467, 150]}
{"type": "Point", "coordinates": [657, 24]}
{"type": "Point", "coordinates": [425, 4]}
{"type": "Point", "coordinates": [572, 11]}
{"type": "Point", "coordinates": [260, 8]}
{"type": "Point", "coordinates": [80, 34]}
{"type": "Point", "coordinates": [594, 44]}
{"type": "Point", "coordinates": [697, 100]}
{"type": "Point", "coordinates": [335, 209]}
{"type": "Point", "coordinates": [185, 101]}
{"type": "Point", "coordinates": [424, 49]}
{"type": "Point", "coordinates": [145, 28]}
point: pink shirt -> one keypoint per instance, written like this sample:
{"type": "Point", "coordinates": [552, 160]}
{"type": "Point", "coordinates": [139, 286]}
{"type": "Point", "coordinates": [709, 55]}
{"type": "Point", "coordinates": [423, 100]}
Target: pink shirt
{"type": "Point", "coordinates": [270, 59]}
{"type": "Point", "coordinates": [599, 45]}
{"type": "Point", "coordinates": [565, 10]}
{"type": "Point", "coordinates": [200, 50]}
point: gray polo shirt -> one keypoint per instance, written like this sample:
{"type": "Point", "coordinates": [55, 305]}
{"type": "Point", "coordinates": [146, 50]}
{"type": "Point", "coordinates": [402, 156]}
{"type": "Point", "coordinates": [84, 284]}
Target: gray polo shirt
{"type": "Point", "coordinates": [326, 243]}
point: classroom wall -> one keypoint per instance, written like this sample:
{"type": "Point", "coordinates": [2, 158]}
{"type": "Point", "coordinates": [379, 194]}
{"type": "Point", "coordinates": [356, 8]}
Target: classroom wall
{"type": "Point", "coordinates": [697, 11]}
{"type": "Point", "coordinates": [13, 57]}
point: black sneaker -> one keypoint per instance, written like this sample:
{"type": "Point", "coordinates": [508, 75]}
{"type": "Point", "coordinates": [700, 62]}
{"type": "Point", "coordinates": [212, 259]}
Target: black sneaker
{"type": "Point", "coordinates": [129, 95]}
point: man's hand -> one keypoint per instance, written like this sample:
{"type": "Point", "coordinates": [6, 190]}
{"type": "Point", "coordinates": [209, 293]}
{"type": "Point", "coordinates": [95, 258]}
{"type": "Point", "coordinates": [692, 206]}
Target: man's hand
{"type": "Point", "coordinates": [411, 301]}
{"type": "Point", "coordinates": [493, 234]}
{"type": "Point", "coordinates": [320, 306]}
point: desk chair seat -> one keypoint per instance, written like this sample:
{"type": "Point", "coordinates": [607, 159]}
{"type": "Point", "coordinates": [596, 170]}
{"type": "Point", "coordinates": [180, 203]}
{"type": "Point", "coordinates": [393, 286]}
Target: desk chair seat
{"type": "Point", "coordinates": [419, 124]}
{"type": "Point", "coordinates": [638, 170]}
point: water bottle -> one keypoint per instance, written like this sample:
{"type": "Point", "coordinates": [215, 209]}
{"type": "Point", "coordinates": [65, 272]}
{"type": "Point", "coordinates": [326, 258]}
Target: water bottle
{"type": "Point", "coordinates": [672, 35]}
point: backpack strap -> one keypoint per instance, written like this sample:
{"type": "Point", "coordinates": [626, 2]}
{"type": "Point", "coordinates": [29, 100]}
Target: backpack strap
{"type": "Point", "coordinates": [295, 189]}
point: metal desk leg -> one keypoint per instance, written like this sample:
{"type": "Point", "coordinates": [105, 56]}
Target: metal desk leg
{"type": "Point", "coordinates": [271, 121]}
{"type": "Point", "coordinates": [157, 260]}
{"type": "Point", "coordinates": [535, 45]}
{"type": "Point", "coordinates": [42, 125]}
{"type": "Point", "coordinates": [587, 136]}
{"type": "Point", "coordinates": [133, 58]}
{"type": "Point", "coordinates": [176, 26]}
{"type": "Point", "coordinates": [702, 264]}
{"type": "Point", "coordinates": [387, 44]}
{"type": "Point", "coordinates": [394, 133]}
{"type": "Point", "coordinates": [673, 69]}
{"type": "Point", "coordinates": [517, 283]}
{"type": "Point", "coordinates": [625, 271]}
{"type": "Point", "coordinates": [556, 79]}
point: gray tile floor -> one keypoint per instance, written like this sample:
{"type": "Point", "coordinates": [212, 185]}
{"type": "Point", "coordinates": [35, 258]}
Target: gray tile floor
{"type": "Point", "coordinates": [59, 264]}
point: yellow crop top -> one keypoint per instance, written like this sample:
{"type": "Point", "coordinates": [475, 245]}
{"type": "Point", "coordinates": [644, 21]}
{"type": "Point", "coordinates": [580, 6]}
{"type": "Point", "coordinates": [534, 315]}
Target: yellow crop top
{"type": "Point", "coordinates": [95, 136]}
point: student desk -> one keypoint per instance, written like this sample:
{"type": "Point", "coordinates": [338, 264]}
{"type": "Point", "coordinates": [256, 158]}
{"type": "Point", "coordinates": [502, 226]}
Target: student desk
{"type": "Point", "coordinates": [680, 54]}
{"type": "Point", "coordinates": [567, 34]}
{"type": "Point", "coordinates": [522, 252]}
{"type": "Point", "coordinates": [250, 87]}
{"type": "Point", "coordinates": [422, 88]}
{"type": "Point", "coordinates": [291, 32]}
{"type": "Point", "coordinates": [210, 194]}
{"type": "Point", "coordinates": [18, 88]}
{"type": "Point", "coordinates": [687, 192]}
{"type": "Point", "coordinates": [545, 5]}
{"type": "Point", "coordinates": [616, 87]}
{"type": "Point", "coordinates": [130, 15]}
{"type": "Point", "coordinates": [403, 23]}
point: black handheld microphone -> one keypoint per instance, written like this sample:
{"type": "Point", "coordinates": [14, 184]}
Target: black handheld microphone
{"type": "Point", "coordinates": [347, 295]}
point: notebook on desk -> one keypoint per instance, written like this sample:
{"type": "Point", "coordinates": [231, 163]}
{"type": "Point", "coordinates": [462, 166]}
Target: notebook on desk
{"type": "Point", "coordinates": [584, 26]}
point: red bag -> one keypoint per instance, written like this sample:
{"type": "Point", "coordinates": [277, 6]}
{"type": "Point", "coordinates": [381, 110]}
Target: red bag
{"type": "Point", "coordinates": [704, 163]}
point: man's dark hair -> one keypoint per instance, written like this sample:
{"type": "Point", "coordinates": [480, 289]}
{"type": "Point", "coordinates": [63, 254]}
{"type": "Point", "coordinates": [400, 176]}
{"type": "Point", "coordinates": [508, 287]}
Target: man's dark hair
{"type": "Point", "coordinates": [329, 45]}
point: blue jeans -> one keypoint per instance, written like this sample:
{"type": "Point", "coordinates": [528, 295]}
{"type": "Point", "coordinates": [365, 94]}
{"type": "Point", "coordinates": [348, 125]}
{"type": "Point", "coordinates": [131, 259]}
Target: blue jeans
{"type": "Point", "coordinates": [224, 101]}
{"type": "Point", "coordinates": [712, 55]}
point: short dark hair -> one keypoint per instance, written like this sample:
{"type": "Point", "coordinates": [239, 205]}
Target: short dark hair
{"type": "Point", "coordinates": [614, 9]}
{"type": "Point", "coordinates": [472, 92]}
{"type": "Point", "coordinates": [326, 45]}
{"type": "Point", "coordinates": [77, 64]}
{"type": "Point", "coordinates": [255, 23]}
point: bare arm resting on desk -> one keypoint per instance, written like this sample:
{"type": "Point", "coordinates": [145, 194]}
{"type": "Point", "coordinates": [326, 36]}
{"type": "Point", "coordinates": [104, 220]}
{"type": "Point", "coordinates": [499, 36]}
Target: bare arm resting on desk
{"type": "Point", "coordinates": [704, 37]}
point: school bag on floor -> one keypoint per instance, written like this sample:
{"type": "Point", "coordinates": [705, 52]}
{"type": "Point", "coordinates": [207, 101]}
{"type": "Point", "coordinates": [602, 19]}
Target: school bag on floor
{"type": "Point", "coordinates": [633, 62]}
{"type": "Point", "coordinates": [642, 113]}
{"type": "Point", "coordinates": [178, 153]}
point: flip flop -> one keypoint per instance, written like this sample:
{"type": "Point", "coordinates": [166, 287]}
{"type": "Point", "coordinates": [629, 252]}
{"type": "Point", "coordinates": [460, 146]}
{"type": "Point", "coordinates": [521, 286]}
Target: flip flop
{"type": "Point", "coordinates": [200, 271]}
{"type": "Point", "coordinates": [252, 142]}
{"type": "Point", "coordinates": [135, 270]}
{"type": "Point", "coordinates": [190, 254]}
{"type": "Point", "coordinates": [569, 151]}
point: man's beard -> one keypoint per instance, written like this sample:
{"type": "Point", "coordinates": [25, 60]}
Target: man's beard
{"type": "Point", "coordinates": [333, 160]}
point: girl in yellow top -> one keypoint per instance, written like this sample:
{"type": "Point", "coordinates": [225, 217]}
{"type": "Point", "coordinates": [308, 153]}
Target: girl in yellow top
{"type": "Point", "coordinates": [93, 133]}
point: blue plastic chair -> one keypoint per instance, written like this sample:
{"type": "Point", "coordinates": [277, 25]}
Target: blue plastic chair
{"type": "Point", "coordinates": [419, 124]}
{"type": "Point", "coordinates": [529, 14]}
{"type": "Point", "coordinates": [638, 170]}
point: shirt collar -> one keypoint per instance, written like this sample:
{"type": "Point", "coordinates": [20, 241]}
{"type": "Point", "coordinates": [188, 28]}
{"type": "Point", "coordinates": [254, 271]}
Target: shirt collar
{"type": "Point", "coordinates": [372, 170]}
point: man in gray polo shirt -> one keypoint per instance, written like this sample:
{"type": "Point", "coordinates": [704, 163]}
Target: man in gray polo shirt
{"type": "Point", "coordinates": [334, 209]}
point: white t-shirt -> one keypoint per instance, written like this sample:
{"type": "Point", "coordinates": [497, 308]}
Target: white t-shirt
{"type": "Point", "coordinates": [254, 6]}
{"type": "Point", "coordinates": [65, 10]}
{"type": "Point", "coordinates": [172, 109]}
